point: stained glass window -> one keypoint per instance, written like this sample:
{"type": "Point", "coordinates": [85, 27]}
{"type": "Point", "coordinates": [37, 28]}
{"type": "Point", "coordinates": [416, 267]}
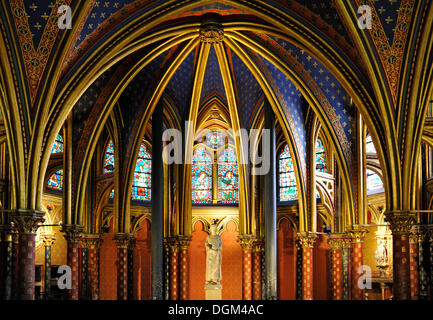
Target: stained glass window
{"type": "Point", "coordinates": [215, 139]}
{"type": "Point", "coordinates": [58, 144]}
{"type": "Point", "coordinates": [369, 145]}
{"type": "Point", "coordinates": [142, 184]}
{"type": "Point", "coordinates": [373, 181]}
{"type": "Point", "coordinates": [112, 194]}
{"type": "Point", "coordinates": [109, 158]}
{"type": "Point", "coordinates": [201, 176]}
{"type": "Point", "coordinates": [55, 182]}
{"type": "Point", "coordinates": [320, 156]}
{"type": "Point", "coordinates": [228, 177]}
{"type": "Point", "coordinates": [287, 181]}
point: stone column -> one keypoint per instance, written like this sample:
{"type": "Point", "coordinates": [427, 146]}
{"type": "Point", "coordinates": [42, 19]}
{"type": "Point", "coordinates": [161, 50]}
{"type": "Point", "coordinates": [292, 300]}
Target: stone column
{"type": "Point", "coordinates": [306, 241]}
{"type": "Point", "coordinates": [358, 235]}
{"type": "Point", "coordinates": [345, 256]}
{"type": "Point", "coordinates": [247, 242]}
{"type": "Point", "coordinates": [73, 236]}
{"type": "Point", "coordinates": [93, 242]}
{"type": "Point", "coordinates": [6, 247]}
{"type": "Point", "coordinates": [430, 239]}
{"type": "Point", "coordinates": [414, 258]}
{"type": "Point", "coordinates": [336, 244]}
{"type": "Point", "coordinates": [257, 256]}
{"type": "Point", "coordinates": [174, 269]}
{"type": "Point", "coordinates": [183, 257]}
{"type": "Point", "coordinates": [422, 265]}
{"type": "Point", "coordinates": [122, 240]}
{"type": "Point", "coordinates": [298, 247]}
{"type": "Point", "coordinates": [15, 265]}
{"type": "Point", "coordinates": [84, 267]}
{"type": "Point", "coordinates": [48, 240]}
{"type": "Point", "coordinates": [166, 270]}
{"type": "Point", "coordinates": [131, 246]}
{"type": "Point", "coordinates": [270, 210]}
{"type": "Point", "coordinates": [157, 230]}
{"type": "Point", "coordinates": [27, 222]}
{"type": "Point", "coordinates": [400, 225]}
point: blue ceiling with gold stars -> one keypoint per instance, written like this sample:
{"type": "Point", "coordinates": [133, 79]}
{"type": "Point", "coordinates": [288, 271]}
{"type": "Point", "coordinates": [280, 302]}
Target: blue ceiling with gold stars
{"type": "Point", "coordinates": [387, 11]}
{"type": "Point", "coordinates": [101, 11]}
{"type": "Point", "coordinates": [332, 89]}
{"type": "Point", "coordinates": [213, 81]}
{"type": "Point", "coordinates": [180, 86]}
{"type": "Point", "coordinates": [327, 11]}
{"type": "Point", "coordinates": [248, 90]}
{"type": "Point", "coordinates": [38, 13]}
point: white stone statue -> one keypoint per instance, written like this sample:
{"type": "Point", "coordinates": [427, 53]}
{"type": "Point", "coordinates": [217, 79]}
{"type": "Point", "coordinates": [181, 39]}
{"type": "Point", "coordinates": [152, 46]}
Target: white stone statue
{"type": "Point", "coordinates": [214, 247]}
{"type": "Point", "coordinates": [381, 254]}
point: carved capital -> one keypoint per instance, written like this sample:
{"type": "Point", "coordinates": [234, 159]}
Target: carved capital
{"type": "Point", "coordinates": [399, 222]}
{"type": "Point", "coordinates": [27, 221]}
{"type": "Point", "coordinates": [48, 239]}
{"type": "Point", "coordinates": [132, 242]}
{"type": "Point", "coordinates": [306, 239]}
{"type": "Point", "coordinates": [91, 241]}
{"type": "Point", "coordinates": [184, 241]}
{"type": "Point", "coordinates": [336, 241]}
{"type": "Point", "coordinates": [247, 241]}
{"type": "Point", "coordinates": [122, 240]}
{"type": "Point", "coordinates": [73, 233]}
{"type": "Point", "coordinates": [258, 245]}
{"type": "Point", "coordinates": [173, 244]}
{"type": "Point", "coordinates": [211, 33]}
{"type": "Point", "coordinates": [357, 234]}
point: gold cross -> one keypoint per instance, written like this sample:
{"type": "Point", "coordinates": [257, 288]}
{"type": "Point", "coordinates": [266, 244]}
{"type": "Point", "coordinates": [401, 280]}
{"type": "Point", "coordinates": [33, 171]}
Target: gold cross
{"type": "Point", "coordinates": [33, 6]}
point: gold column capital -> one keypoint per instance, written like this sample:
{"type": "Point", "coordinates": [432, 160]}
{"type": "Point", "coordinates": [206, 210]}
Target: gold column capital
{"type": "Point", "coordinates": [306, 239]}
{"type": "Point", "coordinates": [122, 240]}
{"type": "Point", "coordinates": [49, 239]}
{"type": "Point", "coordinates": [400, 221]}
{"type": "Point", "coordinates": [357, 233]}
{"type": "Point", "coordinates": [183, 241]}
{"type": "Point", "coordinates": [73, 233]}
{"type": "Point", "coordinates": [91, 241]}
{"type": "Point", "coordinates": [27, 221]}
{"type": "Point", "coordinates": [336, 240]}
{"type": "Point", "coordinates": [247, 241]}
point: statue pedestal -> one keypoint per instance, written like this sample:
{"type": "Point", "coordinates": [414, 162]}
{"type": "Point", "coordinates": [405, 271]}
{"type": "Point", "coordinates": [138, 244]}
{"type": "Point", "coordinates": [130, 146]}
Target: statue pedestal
{"type": "Point", "coordinates": [213, 291]}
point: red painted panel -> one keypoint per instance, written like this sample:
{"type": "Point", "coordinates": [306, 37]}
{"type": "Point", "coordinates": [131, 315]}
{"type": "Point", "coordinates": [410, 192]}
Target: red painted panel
{"type": "Point", "coordinates": [231, 264]}
{"type": "Point", "coordinates": [197, 262]}
{"type": "Point", "coordinates": [108, 268]}
{"type": "Point", "coordinates": [142, 262]}
{"type": "Point", "coordinates": [286, 253]}
{"type": "Point", "coordinates": [321, 268]}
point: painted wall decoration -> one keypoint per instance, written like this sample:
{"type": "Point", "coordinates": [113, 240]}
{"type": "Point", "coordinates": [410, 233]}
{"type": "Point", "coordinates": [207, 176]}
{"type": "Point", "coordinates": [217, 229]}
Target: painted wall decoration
{"type": "Point", "coordinates": [287, 180]}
